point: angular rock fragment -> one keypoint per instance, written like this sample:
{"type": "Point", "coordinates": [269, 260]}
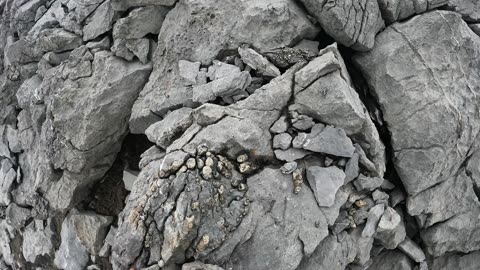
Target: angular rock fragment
{"type": "Point", "coordinates": [140, 48]}
{"type": "Point", "coordinates": [200, 266]}
{"type": "Point", "coordinates": [367, 183]}
{"type": "Point", "coordinates": [280, 126]}
{"type": "Point", "coordinates": [291, 154]}
{"type": "Point", "coordinates": [330, 140]}
{"type": "Point", "coordinates": [164, 132]}
{"type": "Point", "coordinates": [317, 68]}
{"type": "Point", "coordinates": [390, 230]}
{"type": "Point", "coordinates": [37, 240]}
{"type": "Point", "coordinates": [189, 71]}
{"type": "Point", "coordinates": [352, 23]}
{"type": "Point", "coordinates": [99, 21]}
{"type": "Point", "coordinates": [395, 10]}
{"type": "Point", "coordinates": [7, 177]}
{"type": "Point", "coordinates": [227, 86]}
{"type": "Point", "coordinates": [374, 215]}
{"type": "Point", "coordinates": [140, 22]}
{"type": "Point", "coordinates": [332, 254]}
{"type": "Point", "coordinates": [412, 250]}
{"type": "Point", "coordinates": [58, 40]}
{"type": "Point", "coordinates": [325, 183]}
{"type": "Point", "coordinates": [282, 141]}
{"type": "Point", "coordinates": [258, 62]}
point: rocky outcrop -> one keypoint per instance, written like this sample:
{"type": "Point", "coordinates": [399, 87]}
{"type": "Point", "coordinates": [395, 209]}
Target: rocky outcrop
{"type": "Point", "coordinates": [240, 134]}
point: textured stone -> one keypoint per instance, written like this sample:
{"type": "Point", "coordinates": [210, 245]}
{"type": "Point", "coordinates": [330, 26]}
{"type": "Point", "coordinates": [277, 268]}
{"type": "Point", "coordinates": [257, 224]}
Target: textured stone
{"type": "Point", "coordinates": [450, 262]}
{"type": "Point", "coordinates": [374, 215]}
{"type": "Point", "coordinates": [325, 183]}
{"type": "Point", "coordinates": [330, 140]}
{"type": "Point", "coordinates": [140, 22]}
{"type": "Point", "coordinates": [175, 123]}
{"type": "Point", "coordinates": [99, 21]}
{"type": "Point", "coordinates": [460, 233]}
{"type": "Point", "coordinates": [37, 240]}
{"type": "Point", "coordinates": [166, 91]}
{"type": "Point", "coordinates": [396, 10]}
{"type": "Point", "coordinates": [200, 266]}
{"type": "Point", "coordinates": [367, 183]}
{"type": "Point", "coordinates": [71, 254]}
{"type": "Point", "coordinates": [58, 40]}
{"type": "Point", "coordinates": [126, 4]}
{"type": "Point", "coordinates": [189, 71]}
{"type": "Point", "coordinates": [431, 139]}
{"type": "Point", "coordinates": [258, 62]}
{"type": "Point", "coordinates": [280, 125]}
{"type": "Point", "coordinates": [282, 141]}
{"type": "Point", "coordinates": [340, 20]}
{"type": "Point", "coordinates": [391, 259]}
{"type": "Point", "coordinates": [228, 86]}
{"type": "Point", "coordinates": [469, 9]}
{"type": "Point", "coordinates": [412, 250]}
{"type": "Point", "coordinates": [391, 230]}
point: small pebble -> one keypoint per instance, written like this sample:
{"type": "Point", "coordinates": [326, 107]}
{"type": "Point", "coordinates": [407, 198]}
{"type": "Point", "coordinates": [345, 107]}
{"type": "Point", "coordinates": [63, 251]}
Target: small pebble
{"type": "Point", "coordinates": [242, 158]}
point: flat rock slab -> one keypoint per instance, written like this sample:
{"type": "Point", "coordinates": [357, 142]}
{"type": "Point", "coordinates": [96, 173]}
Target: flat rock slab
{"type": "Point", "coordinates": [325, 183]}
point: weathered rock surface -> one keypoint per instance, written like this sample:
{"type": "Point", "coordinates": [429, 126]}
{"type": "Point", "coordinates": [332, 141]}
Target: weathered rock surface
{"type": "Point", "coordinates": [179, 40]}
{"type": "Point", "coordinates": [352, 23]}
{"type": "Point", "coordinates": [404, 70]}
{"type": "Point", "coordinates": [392, 259]}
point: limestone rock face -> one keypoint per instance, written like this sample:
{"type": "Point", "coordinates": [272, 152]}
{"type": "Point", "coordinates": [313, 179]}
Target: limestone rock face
{"type": "Point", "coordinates": [239, 134]}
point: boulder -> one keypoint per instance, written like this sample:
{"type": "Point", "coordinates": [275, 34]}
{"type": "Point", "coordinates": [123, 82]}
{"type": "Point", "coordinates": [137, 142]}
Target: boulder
{"type": "Point", "coordinates": [99, 22]}
{"type": "Point", "coordinates": [457, 261]}
{"type": "Point", "coordinates": [391, 229]}
{"type": "Point", "coordinates": [140, 22]}
{"type": "Point", "coordinates": [340, 20]}
{"type": "Point", "coordinates": [432, 137]}
{"type": "Point", "coordinates": [391, 259]}
{"type": "Point", "coordinates": [469, 9]}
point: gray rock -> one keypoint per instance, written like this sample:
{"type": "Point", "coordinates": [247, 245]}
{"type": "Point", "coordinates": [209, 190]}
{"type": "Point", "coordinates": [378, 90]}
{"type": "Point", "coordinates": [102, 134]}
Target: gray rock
{"type": "Point", "coordinates": [421, 157]}
{"type": "Point", "coordinates": [318, 67]}
{"type": "Point", "coordinates": [332, 254]}
{"type": "Point", "coordinates": [58, 40]}
{"type": "Point", "coordinates": [24, 17]}
{"type": "Point", "coordinates": [391, 259]}
{"type": "Point", "coordinates": [380, 197]}
{"type": "Point", "coordinates": [7, 177]}
{"type": "Point", "coordinates": [374, 215]}
{"type": "Point", "coordinates": [37, 240]}
{"type": "Point", "coordinates": [459, 233]}
{"type": "Point", "coordinates": [291, 154]}
{"type": "Point", "coordinates": [332, 141]}
{"type": "Point", "coordinates": [122, 5]}
{"type": "Point", "coordinates": [303, 122]}
{"type": "Point", "coordinates": [220, 70]}
{"type": "Point", "coordinates": [469, 9]}
{"type": "Point", "coordinates": [280, 126]}
{"type": "Point", "coordinates": [7, 233]}
{"type": "Point", "coordinates": [228, 86]}
{"type": "Point", "coordinates": [475, 28]}
{"type": "Point", "coordinates": [200, 266]}
{"type": "Point", "coordinates": [71, 254]}
{"type": "Point", "coordinates": [258, 62]}
{"type": "Point", "coordinates": [17, 216]}
{"type": "Point", "coordinates": [189, 71]}
{"type": "Point", "coordinates": [331, 99]}
{"type": "Point", "coordinates": [265, 249]}
{"type": "Point", "coordinates": [103, 44]}
{"type": "Point", "coordinates": [331, 213]}
{"type": "Point", "coordinates": [412, 250]}
{"type": "Point", "coordinates": [443, 201]}
{"type": "Point", "coordinates": [90, 230]}
{"type": "Point", "coordinates": [78, 11]}
{"type": "Point", "coordinates": [51, 17]}
{"type": "Point", "coordinates": [367, 183]}
{"type": "Point", "coordinates": [165, 90]}
{"type": "Point", "coordinates": [140, 22]}
{"type": "Point", "coordinates": [289, 167]}
{"type": "Point", "coordinates": [325, 183]}
{"type": "Point", "coordinates": [395, 10]}
{"type": "Point", "coordinates": [165, 131]}
{"type": "Point", "coordinates": [364, 246]}
{"type": "Point", "coordinates": [120, 49]}
{"type": "Point", "coordinates": [352, 169]}
{"type": "Point", "coordinates": [282, 141]}
{"type": "Point", "coordinates": [450, 262]}
{"type": "Point", "coordinates": [234, 136]}
{"type": "Point", "coordinates": [99, 22]}
{"type": "Point", "coordinates": [140, 48]}
{"type": "Point", "coordinates": [396, 197]}
{"type": "Point", "coordinates": [340, 21]}
{"type": "Point", "coordinates": [390, 230]}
